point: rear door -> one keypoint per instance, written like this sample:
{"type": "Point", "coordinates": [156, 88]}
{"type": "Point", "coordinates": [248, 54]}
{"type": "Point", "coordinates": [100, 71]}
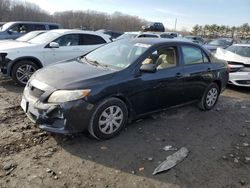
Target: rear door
{"type": "Point", "coordinates": [163, 88]}
{"type": "Point", "coordinates": [197, 72]}
{"type": "Point", "coordinates": [89, 42]}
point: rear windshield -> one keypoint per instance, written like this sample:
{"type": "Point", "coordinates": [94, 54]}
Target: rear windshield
{"type": "Point", "coordinates": [29, 36]}
{"type": "Point", "coordinates": [45, 38]}
{"type": "Point", "coordinates": [6, 26]}
{"type": "Point", "coordinates": [240, 50]}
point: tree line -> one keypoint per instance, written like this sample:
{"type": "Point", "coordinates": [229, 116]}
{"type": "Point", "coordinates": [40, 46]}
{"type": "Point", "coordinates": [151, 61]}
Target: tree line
{"type": "Point", "coordinates": [13, 10]}
{"type": "Point", "coordinates": [214, 30]}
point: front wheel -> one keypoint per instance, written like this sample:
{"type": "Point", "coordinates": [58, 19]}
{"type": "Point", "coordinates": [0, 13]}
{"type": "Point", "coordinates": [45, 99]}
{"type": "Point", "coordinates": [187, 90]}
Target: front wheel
{"type": "Point", "coordinates": [109, 119]}
{"type": "Point", "coordinates": [210, 97]}
{"type": "Point", "coordinates": [22, 71]}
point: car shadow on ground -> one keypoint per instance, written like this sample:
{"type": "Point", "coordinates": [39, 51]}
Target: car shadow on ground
{"type": "Point", "coordinates": [9, 85]}
{"type": "Point", "coordinates": [138, 149]}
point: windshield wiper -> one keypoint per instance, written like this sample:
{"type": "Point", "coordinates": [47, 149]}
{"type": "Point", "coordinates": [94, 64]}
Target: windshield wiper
{"type": "Point", "coordinates": [96, 63]}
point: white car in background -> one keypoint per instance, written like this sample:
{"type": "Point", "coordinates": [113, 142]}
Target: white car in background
{"type": "Point", "coordinates": [21, 60]}
{"type": "Point", "coordinates": [23, 38]}
{"type": "Point", "coordinates": [238, 58]}
{"type": "Point", "coordinates": [139, 34]}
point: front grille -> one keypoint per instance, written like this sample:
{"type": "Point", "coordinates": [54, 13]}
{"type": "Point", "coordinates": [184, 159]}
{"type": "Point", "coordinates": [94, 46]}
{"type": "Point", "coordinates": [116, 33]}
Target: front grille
{"type": "Point", "coordinates": [245, 82]}
{"type": "Point", "coordinates": [35, 92]}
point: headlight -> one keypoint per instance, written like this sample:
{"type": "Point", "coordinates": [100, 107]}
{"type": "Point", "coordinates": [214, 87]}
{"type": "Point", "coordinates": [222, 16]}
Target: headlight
{"type": "Point", "coordinates": [61, 96]}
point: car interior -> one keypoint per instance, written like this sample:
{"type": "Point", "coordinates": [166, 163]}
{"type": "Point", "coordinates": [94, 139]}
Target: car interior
{"type": "Point", "coordinates": [163, 58]}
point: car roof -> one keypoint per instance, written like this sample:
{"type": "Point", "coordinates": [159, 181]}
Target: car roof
{"type": "Point", "coordinates": [159, 41]}
{"type": "Point", "coordinates": [65, 31]}
{"type": "Point", "coordinates": [78, 31]}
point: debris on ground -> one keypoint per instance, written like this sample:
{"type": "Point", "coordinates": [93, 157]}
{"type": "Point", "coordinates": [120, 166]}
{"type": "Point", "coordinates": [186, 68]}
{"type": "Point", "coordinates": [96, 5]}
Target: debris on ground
{"type": "Point", "coordinates": [236, 160]}
{"type": "Point", "coordinates": [247, 159]}
{"type": "Point", "coordinates": [245, 144]}
{"type": "Point", "coordinates": [243, 134]}
{"type": "Point", "coordinates": [169, 148]}
{"type": "Point", "coordinates": [104, 147]}
{"type": "Point", "coordinates": [150, 158]}
{"type": "Point", "coordinates": [172, 160]}
{"type": "Point", "coordinates": [242, 182]}
{"type": "Point", "coordinates": [141, 169]}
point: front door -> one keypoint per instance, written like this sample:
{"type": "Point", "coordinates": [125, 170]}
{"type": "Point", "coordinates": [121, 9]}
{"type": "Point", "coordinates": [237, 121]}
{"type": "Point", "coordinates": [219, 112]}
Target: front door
{"type": "Point", "coordinates": [69, 48]}
{"type": "Point", "coordinates": [163, 88]}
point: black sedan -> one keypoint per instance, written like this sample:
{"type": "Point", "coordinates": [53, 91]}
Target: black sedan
{"type": "Point", "coordinates": [122, 81]}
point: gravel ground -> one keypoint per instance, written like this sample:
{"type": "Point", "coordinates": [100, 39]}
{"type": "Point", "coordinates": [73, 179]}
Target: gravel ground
{"type": "Point", "coordinates": [218, 142]}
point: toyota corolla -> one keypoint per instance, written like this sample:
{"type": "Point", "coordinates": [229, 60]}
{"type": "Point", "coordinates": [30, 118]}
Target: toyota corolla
{"type": "Point", "coordinates": [122, 81]}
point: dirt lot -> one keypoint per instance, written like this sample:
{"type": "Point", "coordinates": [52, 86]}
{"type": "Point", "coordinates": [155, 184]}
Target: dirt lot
{"type": "Point", "coordinates": [217, 140]}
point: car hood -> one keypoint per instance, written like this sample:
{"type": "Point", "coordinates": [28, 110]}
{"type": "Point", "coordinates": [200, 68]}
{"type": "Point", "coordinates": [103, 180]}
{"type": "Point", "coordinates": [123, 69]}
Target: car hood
{"type": "Point", "coordinates": [7, 40]}
{"type": "Point", "coordinates": [6, 46]}
{"type": "Point", "coordinates": [230, 56]}
{"type": "Point", "coordinates": [72, 74]}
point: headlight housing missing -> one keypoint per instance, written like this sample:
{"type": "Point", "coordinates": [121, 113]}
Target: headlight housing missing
{"type": "Point", "coordinates": [61, 96]}
{"type": "Point", "coordinates": [2, 56]}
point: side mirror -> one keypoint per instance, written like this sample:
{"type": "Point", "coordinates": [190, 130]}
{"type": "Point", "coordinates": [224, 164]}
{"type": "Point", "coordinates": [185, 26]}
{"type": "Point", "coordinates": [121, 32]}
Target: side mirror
{"type": "Point", "coordinates": [150, 68]}
{"type": "Point", "coordinates": [53, 45]}
{"type": "Point", "coordinates": [10, 31]}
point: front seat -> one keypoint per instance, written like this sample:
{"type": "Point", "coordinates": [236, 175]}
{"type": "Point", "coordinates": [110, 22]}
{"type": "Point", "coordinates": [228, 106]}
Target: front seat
{"type": "Point", "coordinates": [166, 59]}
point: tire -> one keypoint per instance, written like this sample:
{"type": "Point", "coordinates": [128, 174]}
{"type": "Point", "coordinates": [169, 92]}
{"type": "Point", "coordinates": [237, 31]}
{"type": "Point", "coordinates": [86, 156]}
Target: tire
{"type": "Point", "coordinates": [210, 97]}
{"type": "Point", "coordinates": [103, 125]}
{"type": "Point", "coordinates": [22, 71]}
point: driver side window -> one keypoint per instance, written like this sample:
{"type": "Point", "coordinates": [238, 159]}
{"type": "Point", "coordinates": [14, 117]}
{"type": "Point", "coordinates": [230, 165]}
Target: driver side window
{"type": "Point", "coordinates": [163, 58]}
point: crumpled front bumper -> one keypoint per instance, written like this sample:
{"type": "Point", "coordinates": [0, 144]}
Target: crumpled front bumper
{"type": "Point", "coordinates": [66, 118]}
{"type": "Point", "coordinates": [240, 79]}
{"type": "Point", "coordinates": [4, 63]}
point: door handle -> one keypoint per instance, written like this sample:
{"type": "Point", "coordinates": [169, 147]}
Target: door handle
{"type": "Point", "coordinates": [209, 69]}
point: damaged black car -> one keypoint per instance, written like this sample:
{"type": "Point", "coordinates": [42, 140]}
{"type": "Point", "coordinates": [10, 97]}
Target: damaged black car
{"type": "Point", "coordinates": [122, 81]}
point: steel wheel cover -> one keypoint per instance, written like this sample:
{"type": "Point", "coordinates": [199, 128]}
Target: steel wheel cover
{"type": "Point", "coordinates": [211, 97]}
{"type": "Point", "coordinates": [110, 120]}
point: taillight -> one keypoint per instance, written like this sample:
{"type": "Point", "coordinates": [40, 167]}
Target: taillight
{"type": "Point", "coordinates": [228, 68]}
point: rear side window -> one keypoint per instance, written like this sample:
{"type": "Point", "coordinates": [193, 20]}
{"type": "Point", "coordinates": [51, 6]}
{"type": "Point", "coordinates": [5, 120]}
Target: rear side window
{"type": "Point", "coordinates": [68, 40]}
{"type": "Point", "coordinates": [53, 27]}
{"type": "Point", "coordinates": [193, 55]}
{"type": "Point", "coordinates": [87, 39]}
{"type": "Point", "coordinates": [39, 27]}
{"type": "Point", "coordinates": [22, 28]}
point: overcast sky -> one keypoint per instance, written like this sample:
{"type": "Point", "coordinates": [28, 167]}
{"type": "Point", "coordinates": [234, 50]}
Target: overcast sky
{"type": "Point", "coordinates": [187, 12]}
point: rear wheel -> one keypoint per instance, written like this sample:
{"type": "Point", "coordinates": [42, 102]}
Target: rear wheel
{"type": "Point", "coordinates": [22, 71]}
{"type": "Point", "coordinates": [210, 97]}
{"type": "Point", "coordinates": [109, 119]}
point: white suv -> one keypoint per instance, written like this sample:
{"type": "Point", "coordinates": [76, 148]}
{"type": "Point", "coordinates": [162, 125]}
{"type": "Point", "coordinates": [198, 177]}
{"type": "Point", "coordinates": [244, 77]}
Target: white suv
{"type": "Point", "coordinates": [21, 60]}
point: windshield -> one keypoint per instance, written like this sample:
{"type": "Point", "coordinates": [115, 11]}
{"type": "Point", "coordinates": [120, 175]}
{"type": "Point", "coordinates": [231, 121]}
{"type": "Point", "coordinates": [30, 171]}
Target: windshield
{"type": "Point", "coordinates": [119, 54]}
{"type": "Point", "coordinates": [29, 36]}
{"type": "Point", "coordinates": [220, 42]}
{"type": "Point", "coordinates": [6, 26]}
{"type": "Point", "coordinates": [240, 50]}
{"type": "Point", "coordinates": [44, 38]}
